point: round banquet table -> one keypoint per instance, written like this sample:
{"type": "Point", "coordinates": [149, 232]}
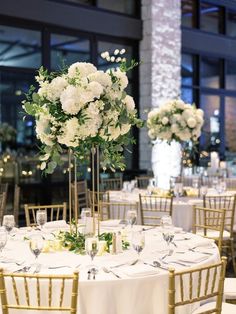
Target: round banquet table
{"type": "Point", "coordinates": [141, 288]}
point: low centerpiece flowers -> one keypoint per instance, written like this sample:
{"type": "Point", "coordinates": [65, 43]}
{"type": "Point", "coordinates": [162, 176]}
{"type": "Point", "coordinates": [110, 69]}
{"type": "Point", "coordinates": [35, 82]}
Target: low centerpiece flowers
{"type": "Point", "coordinates": [82, 107]}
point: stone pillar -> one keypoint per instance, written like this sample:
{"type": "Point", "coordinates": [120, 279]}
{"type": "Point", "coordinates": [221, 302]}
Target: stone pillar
{"type": "Point", "coordinates": [160, 76]}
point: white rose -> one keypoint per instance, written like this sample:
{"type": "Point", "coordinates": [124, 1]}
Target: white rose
{"type": "Point", "coordinates": [81, 69]}
{"type": "Point", "coordinates": [125, 128]}
{"type": "Point", "coordinates": [151, 134]}
{"type": "Point", "coordinates": [129, 102]}
{"type": "Point", "coordinates": [188, 113]}
{"type": "Point", "coordinates": [153, 113]}
{"type": "Point", "coordinates": [166, 135]}
{"type": "Point", "coordinates": [180, 104]}
{"type": "Point", "coordinates": [174, 128]}
{"type": "Point", "coordinates": [165, 120]}
{"type": "Point", "coordinates": [200, 112]}
{"type": "Point", "coordinates": [191, 123]}
{"type": "Point", "coordinates": [122, 78]}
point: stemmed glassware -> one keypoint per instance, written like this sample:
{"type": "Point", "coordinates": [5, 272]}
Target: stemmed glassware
{"type": "Point", "coordinates": [91, 247]}
{"type": "Point", "coordinates": [36, 244]}
{"type": "Point", "coordinates": [131, 217]}
{"type": "Point", "coordinates": [41, 218]}
{"type": "Point", "coordinates": [8, 222]}
{"type": "Point", "coordinates": [203, 190]}
{"type": "Point", "coordinates": [178, 190]}
{"type": "Point", "coordinates": [3, 239]}
{"type": "Point", "coordinates": [138, 241]}
{"type": "Point", "coordinates": [167, 230]}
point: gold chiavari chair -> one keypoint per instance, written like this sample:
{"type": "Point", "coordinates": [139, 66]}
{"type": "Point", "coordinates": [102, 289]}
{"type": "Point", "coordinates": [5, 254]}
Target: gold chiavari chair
{"type": "Point", "coordinates": [209, 223]}
{"type": "Point", "coordinates": [16, 203]}
{"type": "Point", "coordinates": [24, 292]}
{"type": "Point", "coordinates": [143, 181]}
{"type": "Point", "coordinates": [101, 196]}
{"type": "Point", "coordinates": [227, 202]}
{"type": "Point", "coordinates": [199, 285]}
{"type": "Point", "coordinates": [54, 212]}
{"type": "Point", "coordinates": [230, 290]}
{"type": "Point", "coordinates": [154, 207]}
{"type": "Point", "coordinates": [82, 189]}
{"type": "Point", "coordinates": [231, 183]}
{"type": "Point", "coordinates": [111, 184]}
{"type": "Point", "coordinates": [3, 197]}
{"type": "Point", "coordinates": [115, 210]}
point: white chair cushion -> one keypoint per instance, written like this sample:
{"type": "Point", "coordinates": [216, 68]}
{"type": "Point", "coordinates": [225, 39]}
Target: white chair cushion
{"type": "Point", "coordinates": [226, 308]}
{"type": "Point", "coordinates": [215, 234]}
{"type": "Point", "coordinates": [230, 288]}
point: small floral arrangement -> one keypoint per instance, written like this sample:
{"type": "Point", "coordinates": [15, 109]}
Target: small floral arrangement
{"type": "Point", "coordinates": [175, 120]}
{"type": "Point", "coordinates": [82, 107]}
{"type": "Point", "coordinates": [7, 133]}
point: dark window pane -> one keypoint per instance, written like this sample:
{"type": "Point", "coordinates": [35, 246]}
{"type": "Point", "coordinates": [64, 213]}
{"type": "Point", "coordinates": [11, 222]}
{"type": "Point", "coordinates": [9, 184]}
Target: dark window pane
{"type": "Point", "coordinates": [231, 23]}
{"type": "Point", "coordinates": [187, 7]}
{"type": "Point", "coordinates": [113, 61]}
{"type": "Point", "coordinates": [231, 75]}
{"type": "Point", "coordinates": [187, 95]}
{"type": "Point", "coordinates": [13, 86]}
{"type": "Point", "coordinates": [187, 69]}
{"type": "Point", "coordinates": [210, 17]}
{"type": "Point", "coordinates": [68, 49]}
{"type": "Point", "coordinates": [230, 125]}
{"type": "Point", "coordinates": [122, 6]}
{"type": "Point", "coordinates": [84, 2]}
{"type": "Point", "coordinates": [210, 139]}
{"type": "Point", "coordinates": [210, 72]}
{"type": "Point", "coordinates": [20, 47]}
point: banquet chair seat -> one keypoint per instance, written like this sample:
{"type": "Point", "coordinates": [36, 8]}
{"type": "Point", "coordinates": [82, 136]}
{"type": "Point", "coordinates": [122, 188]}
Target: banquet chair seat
{"type": "Point", "coordinates": [22, 292]}
{"type": "Point", "coordinates": [230, 289]}
{"type": "Point", "coordinates": [226, 308]}
{"type": "Point", "coordinates": [54, 212]}
{"type": "Point", "coordinates": [192, 287]}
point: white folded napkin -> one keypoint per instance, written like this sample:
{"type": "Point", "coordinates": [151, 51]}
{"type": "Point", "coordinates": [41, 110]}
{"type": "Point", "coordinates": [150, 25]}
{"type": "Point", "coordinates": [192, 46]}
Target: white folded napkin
{"type": "Point", "coordinates": [56, 224]}
{"type": "Point", "coordinates": [200, 242]}
{"type": "Point", "coordinates": [140, 270]}
{"type": "Point", "coordinates": [110, 223]}
{"type": "Point", "coordinates": [192, 257]}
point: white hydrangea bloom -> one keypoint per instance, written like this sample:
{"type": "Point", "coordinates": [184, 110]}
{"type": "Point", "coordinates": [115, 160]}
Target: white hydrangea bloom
{"type": "Point", "coordinates": [130, 104]}
{"type": "Point", "coordinates": [69, 135]}
{"type": "Point", "coordinates": [81, 69]}
{"type": "Point", "coordinates": [95, 88]}
{"type": "Point", "coordinates": [191, 122]}
{"type": "Point", "coordinates": [165, 120]}
{"type": "Point", "coordinates": [55, 88]}
{"type": "Point", "coordinates": [100, 77]}
{"type": "Point", "coordinates": [122, 78]}
{"type": "Point", "coordinates": [43, 128]}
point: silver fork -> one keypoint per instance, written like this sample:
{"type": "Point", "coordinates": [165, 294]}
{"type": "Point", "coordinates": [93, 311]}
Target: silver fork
{"type": "Point", "coordinates": [106, 270]}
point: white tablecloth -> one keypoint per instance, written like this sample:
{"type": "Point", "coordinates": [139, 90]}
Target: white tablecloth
{"type": "Point", "coordinates": [144, 294]}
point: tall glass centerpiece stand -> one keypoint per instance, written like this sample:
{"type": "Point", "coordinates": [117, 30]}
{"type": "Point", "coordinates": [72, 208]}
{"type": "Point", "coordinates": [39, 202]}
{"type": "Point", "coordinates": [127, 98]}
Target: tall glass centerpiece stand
{"type": "Point", "coordinates": [95, 189]}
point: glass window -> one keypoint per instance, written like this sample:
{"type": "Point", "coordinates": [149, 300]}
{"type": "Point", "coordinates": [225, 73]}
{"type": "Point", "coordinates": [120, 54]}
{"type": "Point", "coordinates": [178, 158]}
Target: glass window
{"type": "Point", "coordinates": [86, 2]}
{"type": "Point", "coordinates": [210, 72]}
{"type": "Point", "coordinates": [68, 49]}
{"type": "Point", "coordinates": [20, 47]}
{"type": "Point", "coordinates": [122, 6]}
{"type": "Point", "coordinates": [187, 69]}
{"type": "Point", "coordinates": [230, 126]}
{"type": "Point", "coordinates": [231, 75]}
{"type": "Point", "coordinates": [210, 17]}
{"type": "Point", "coordinates": [187, 95]}
{"type": "Point", "coordinates": [210, 139]}
{"type": "Point", "coordinates": [188, 11]}
{"type": "Point", "coordinates": [13, 87]}
{"type": "Point", "coordinates": [231, 23]}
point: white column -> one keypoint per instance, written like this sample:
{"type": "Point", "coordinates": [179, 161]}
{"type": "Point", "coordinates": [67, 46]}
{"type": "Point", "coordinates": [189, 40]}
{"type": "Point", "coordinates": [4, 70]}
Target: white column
{"type": "Point", "coordinates": [160, 76]}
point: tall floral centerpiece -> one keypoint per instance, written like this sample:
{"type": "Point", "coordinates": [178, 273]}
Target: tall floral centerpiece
{"type": "Point", "coordinates": [175, 122]}
{"type": "Point", "coordinates": [81, 108]}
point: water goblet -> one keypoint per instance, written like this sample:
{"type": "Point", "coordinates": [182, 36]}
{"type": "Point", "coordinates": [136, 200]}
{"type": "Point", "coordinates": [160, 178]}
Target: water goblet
{"type": "Point", "coordinates": [138, 241]}
{"type": "Point", "coordinates": [85, 212]}
{"type": "Point", "coordinates": [203, 190]}
{"type": "Point", "coordinates": [41, 218]}
{"type": "Point", "coordinates": [178, 190]}
{"type": "Point", "coordinates": [8, 223]}
{"type": "Point", "coordinates": [3, 239]}
{"type": "Point", "coordinates": [167, 230]}
{"type": "Point", "coordinates": [195, 183]}
{"type": "Point", "coordinates": [91, 248]}
{"type": "Point", "coordinates": [36, 244]}
{"type": "Point", "coordinates": [131, 217]}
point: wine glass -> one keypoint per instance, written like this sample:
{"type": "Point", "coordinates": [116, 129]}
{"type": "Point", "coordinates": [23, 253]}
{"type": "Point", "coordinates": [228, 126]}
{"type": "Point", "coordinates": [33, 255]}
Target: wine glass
{"type": "Point", "coordinates": [8, 223]}
{"type": "Point", "coordinates": [131, 217]}
{"type": "Point", "coordinates": [138, 241]}
{"type": "Point", "coordinates": [178, 190]}
{"type": "Point", "coordinates": [41, 218]}
{"type": "Point", "coordinates": [3, 239]}
{"type": "Point", "coordinates": [91, 247]}
{"type": "Point", "coordinates": [36, 244]}
{"type": "Point", "coordinates": [167, 230]}
{"type": "Point", "coordinates": [85, 212]}
{"type": "Point", "coordinates": [203, 190]}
